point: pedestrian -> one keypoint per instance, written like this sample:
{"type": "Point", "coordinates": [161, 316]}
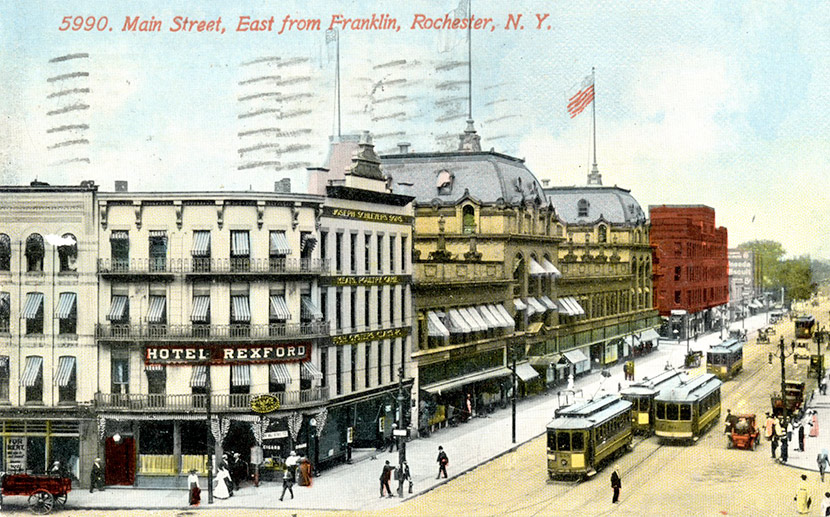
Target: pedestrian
{"type": "Point", "coordinates": [305, 472]}
{"type": "Point", "coordinates": [195, 490]}
{"type": "Point", "coordinates": [785, 452]}
{"type": "Point", "coordinates": [814, 424]}
{"type": "Point", "coordinates": [823, 462]}
{"type": "Point", "coordinates": [443, 461]}
{"type": "Point", "coordinates": [616, 485]}
{"type": "Point", "coordinates": [731, 420]}
{"type": "Point", "coordinates": [291, 460]}
{"type": "Point", "coordinates": [801, 436]}
{"type": "Point", "coordinates": [385, 475]}
{"type": "Point", "coordinates": [825, 504]}
{"type": "Point", "coordinates": [802, 496]}
{"type": "Point", "coordinates": [790, 425]}
{"type": "Point", "coordinates": [288, 478]}
{"type": "Point", "coordinates": [770, 358]}
{"type": "Point", "coordinates": [224, 484]}
{"type": "Point", "coordinates": [404, 475]}
{"type": "Point", "coordinates": [96, 476]}
{"type": "Point", "coordinates": [774, 444]}
{"type": "Point", "coordinates": [768, 427]}
{"type": "Point", "coordinates": [393, 440]}
{"type": "Point", "coordinates": [56, 470]}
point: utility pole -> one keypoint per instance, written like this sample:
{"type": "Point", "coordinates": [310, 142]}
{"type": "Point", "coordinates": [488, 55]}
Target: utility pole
{"type": "Point", "coordinates": [401, 432]}
{"type": "Point", "coordinates": [782, 346]}
{"type": "Point", "coordinates": [515, 386]}
{"type": "Point", "coordinates": [211, 450]}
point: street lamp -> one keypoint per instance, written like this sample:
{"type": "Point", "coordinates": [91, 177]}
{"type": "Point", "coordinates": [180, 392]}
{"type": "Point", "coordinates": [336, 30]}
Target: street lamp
{"type": "Point", "coordinates": [401, 432]}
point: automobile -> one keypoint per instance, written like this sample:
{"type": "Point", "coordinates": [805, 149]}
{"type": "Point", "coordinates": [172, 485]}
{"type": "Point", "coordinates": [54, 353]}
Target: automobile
{"type": "Point", "coordinates": [744, 433]}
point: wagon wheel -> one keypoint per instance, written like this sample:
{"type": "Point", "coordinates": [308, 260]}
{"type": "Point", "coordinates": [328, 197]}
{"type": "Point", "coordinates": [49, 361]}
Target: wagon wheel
{"type": "Point", "coordinates": [61, 498]}
{"type": "Point", "coordinates": [41, 502]}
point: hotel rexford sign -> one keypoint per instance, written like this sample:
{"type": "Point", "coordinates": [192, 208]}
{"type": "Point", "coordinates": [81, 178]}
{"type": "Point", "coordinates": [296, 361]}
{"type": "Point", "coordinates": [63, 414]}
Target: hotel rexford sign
{"type": "Point", "coordinates": [218, 354]}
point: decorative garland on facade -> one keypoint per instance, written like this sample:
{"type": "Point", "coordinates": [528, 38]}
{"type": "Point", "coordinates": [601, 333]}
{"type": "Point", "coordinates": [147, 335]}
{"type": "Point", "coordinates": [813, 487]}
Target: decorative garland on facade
{"type": "Point", "coordinates": [321, 420]}
{"type": "Point", "coordinates": [295, 422]}
{"type": "Point", "coordinates": [102, 427]}
{"type": "Point", "coordinates": [219, 428]}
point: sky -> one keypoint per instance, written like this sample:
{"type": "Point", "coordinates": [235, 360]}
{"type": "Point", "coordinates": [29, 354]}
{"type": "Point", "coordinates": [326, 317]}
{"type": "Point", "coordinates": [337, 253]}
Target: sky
{"type": "Point", "coordinates": [716, 103]}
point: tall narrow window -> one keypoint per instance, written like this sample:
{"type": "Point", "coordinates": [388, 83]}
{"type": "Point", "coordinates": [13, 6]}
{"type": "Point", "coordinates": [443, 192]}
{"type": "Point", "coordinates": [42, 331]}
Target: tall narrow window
{"type": "Point", "coordinates": [468, 217]}
{"type": "Point", "coordinates": [353, 252]}
{"type": "Point", "coordinates": [380, 361]}
{"type": "Point", "coordinates": [582, 208]}
{"type": "Point", "coordinates": [393, 248]}
{"type": "Point", "coordinates": [367, 261]}
{"type": "Point", "coordinates": [324, 303]}
{"type": "Point", "coordinates": [602, 233]}
{"type": "Point", "coordinates": [240, 385]}
{"type": "Point", "coordinates": [307, 244]}
{"type": "Point", "coordinates": [120, 250]}
{"type": "Point", "coordinates": [33, 313]}
{"type": "Point", "coordinates": [5, 252]}
{"type": "Point", "coordinates": [324, 250]}
{"type": "Point", "coordinates": [324, 367]}
{"type": "Point", "coordinates": [32, 379]}
{"type": "Point", "coordinates": [404, 253]}
{"type": "Point", "coordinates": [156, 385]}
{"type": "Point", "coordinates": [278, 250]}
{"type": "Point", "coordinates": [353, 367]}
{"type": "Point", "coordinates": [157, 315]}
{"type": "Point", "coordinates": [338, 252]}
{"type": "Point", "coordinates": [240, 316]}
{"type": "Point", "coordinates": [34, 253]}
{"type": "Point", "coordinates": [338, 371]}
{"type": "Point", "coordinates": [353, 308]}
{"type": "Point", "coordinates": [66, 379]}
{"type": "Point", "coordinates": [120, 375]}
{"type": "Point", "coordinates": [366, 307]}
{"type": "Point", "coordinates": [338, 308]}
{"type": "Point", "coordinates": [380, 240]}
{"type": "Point", "coordinates": [67, 313]}
{"type": "Point", "coordinates": [391, 360]}
{"type": "Point", "coordinates": [240, 250]}
{"type": "Point", "coordinates": [158, 250]}
{"type": "Point", "coordinates": [5, 312]}
{"type": "Point", "coordinates": [68, 253]}
{"type": "Point", "coordinates": [201, 251]}
{"type": "Point", "coordinates": [367, 361]}
{"type": "Point", "coordinates": [200, 314]}
{"type": "Point", "coordinates": [4, 377]}
{"type": "Point", "coordinates": [380, 323]}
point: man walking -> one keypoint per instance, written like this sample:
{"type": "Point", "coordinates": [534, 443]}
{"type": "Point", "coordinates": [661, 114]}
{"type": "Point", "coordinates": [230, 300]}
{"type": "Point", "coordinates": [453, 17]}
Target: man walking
{"type": "Point", "coordinates": [801, 436]}
{"type": "Point", "coordinates": [443, 461]}
{"type": "Point", "coordinates": [404, 476]}
{"type": "Point", "coordinates": [96, 477]}
{"type": "Point", "coordinates": [288, 479]}
{"type": "Point", "coordinates": [823, 462]}
{"type": "Point", "coordinates": [385, 475]}
{"type": "Point", "coordinates": [802, 497]}
{"type": "Point", "coordinates": [616, 485]}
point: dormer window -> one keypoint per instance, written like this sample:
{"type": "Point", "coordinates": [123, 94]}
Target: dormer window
{"type": "Point", "coordinates": [582, 208]}
{"type": "Point", "coordinates": [444, 182]}
{"type": "Point", "coordinates": [602, 233]}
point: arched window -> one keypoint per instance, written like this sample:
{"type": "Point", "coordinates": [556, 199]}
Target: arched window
{"type": "Point", "coordinates": [5, 252]}
{"type": "Point", "coordinates": [34, 252]}
{"type": "Point", "coordinates": [68, 252]}
{"type": "Point", "coordinates": [560, 230]}
{"type": "Point", "coordinates": [582, 208]}
{"type": "Point", "coordinates": [602, 233]}
{"type": "Point", "coordinates": [468, 216]}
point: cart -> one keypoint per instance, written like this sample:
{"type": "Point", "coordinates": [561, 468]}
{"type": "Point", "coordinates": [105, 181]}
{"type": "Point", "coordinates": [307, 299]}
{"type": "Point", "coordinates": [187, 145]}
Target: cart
{"type": "Point", "coordinates": [43, 491]}
{"type": "Point", "coordinates": [744, 433]}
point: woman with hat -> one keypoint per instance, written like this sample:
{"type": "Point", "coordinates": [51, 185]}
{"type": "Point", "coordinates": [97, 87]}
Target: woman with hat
{"type": "Point", "coordinates": [195, 489]}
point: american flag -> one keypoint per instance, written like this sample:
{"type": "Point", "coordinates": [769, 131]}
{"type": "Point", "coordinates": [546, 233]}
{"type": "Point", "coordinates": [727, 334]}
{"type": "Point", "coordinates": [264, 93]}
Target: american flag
{"type": "Point", "coordinates": [582, 98]}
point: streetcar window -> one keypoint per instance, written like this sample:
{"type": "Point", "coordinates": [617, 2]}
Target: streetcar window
{"type": "Point", "coordinates": [660, 409]}
{"type": "Point", "coordinates": [671, 411]}
{"type": "Point", "coordinates": [644, 404]}
{"type": "Point", "coordinates": [551, 440]}
{"type": "Point", "coordinates": [563, 441]}
{"type": "Point", "coordinates": [685, 412]}
{"type": "Point", "coordinates": [578, 441]}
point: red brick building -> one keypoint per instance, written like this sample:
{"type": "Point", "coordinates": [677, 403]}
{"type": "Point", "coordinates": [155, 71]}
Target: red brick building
{"type": "Point", "coordinates": [691, 268]}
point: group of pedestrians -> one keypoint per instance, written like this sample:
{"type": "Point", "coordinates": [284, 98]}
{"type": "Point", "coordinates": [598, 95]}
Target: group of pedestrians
{"type": "Point", "coordinates": [402, 474]}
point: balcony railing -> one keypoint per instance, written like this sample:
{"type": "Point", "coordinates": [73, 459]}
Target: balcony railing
{"type": "Point", "coordinates": [276, 331]}
{"type": "Point", "coordinates": [198, 402]}
{"type": "Point", "coordinates": [212, 266]}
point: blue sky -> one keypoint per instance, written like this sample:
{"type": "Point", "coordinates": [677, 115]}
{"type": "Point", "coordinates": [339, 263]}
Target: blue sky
{"type": "Point", "coordinates": [719, 103]}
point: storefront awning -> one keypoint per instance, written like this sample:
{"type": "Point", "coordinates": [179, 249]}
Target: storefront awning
{"type": "Point", "coordinates": [473, 319]}
{"type": "Point", "coordinates": [519, 304]}
{"type": "Point", "coordinates": [198, 376]}
{"type": "Point", "coordinates": [551, 269]}
{"type": "Point", "coordinates": [279, 373]}
{"type": "Point", "coordinates": [458, 324]}
{"type": "Point", "coordinates": [201, 308]}
{"type": "Point", "coordinates": [526, 372]}
{"type": "Point", "coordinates": [240, 245]}
{"type": "Point", "coordinates": [537, 305]}
{"type": "Point", "coordinates": [120, 235]}
{"type": "Point", "coordinates": [649, 335]}
{"type": "Point", "coordinates": [440, 387]}
{"type": "Point", "coordinates": [575, 356]}
{"type": "Point", "coordinates": [279, 309]}
{"type": "Point", "coordinates": [548, 303]}
{"type": "Point", "coordinates": [505, 316]}
{"type": "Point", "coordinates": [490, 319]}
{"type": "Point", "coordinates": [240, 309]}
{"type": "Point", "coordinates": [32, 371]}
{"type": "Point", "coordinates": [536, 269]}
{"type": "Point", "coordinates": [308, 310]}
{"type": "Point", "coordinates": [570, 307]}
{"type": "Point", "coordinates": [435, 326]}
{"type": "Point", "coordinates": [279, 244]}
{"type": "Point", "coordinates": [201, 244]}
{"type": "Point", "coordinates": [66, 371]}
{"type": "Point", "coordinates": [118, 308]}
{"type": "Point", "coordinates": [66, 304]}
{"type": "Point", "coordinates": [310, 371]}
{"type": "Point", "coordinates": [33, 307]}
{"type": "Point", "coordinates": [241, 374]}
{"type": "Point", "coordinates": [156, 312]}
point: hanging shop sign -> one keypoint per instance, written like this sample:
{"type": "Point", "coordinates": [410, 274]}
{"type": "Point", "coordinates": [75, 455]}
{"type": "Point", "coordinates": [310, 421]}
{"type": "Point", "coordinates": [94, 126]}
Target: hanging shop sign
{"type": "Point", "coordinates": [265, 404]}
{"type": "Point", "coordinates": [275, 435]}
{"type": "Point", "coordinates": [365, 215]}
{"type": "Point", "coordinates": [199, 354]}
{"type": "Point", "coordinates": [372, 335]}
{"type": "Point", "coordinates": [368, 280]}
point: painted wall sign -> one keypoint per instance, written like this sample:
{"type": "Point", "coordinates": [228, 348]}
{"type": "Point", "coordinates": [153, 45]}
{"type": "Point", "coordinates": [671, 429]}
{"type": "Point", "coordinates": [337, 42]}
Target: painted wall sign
{"type": "Point", "coordinates": [372, 335]}
{"type": "Point", "coordinates": [16, 453]}
{"type": "Point", "coordinates": [368, 280]}
{"type": "Point", "coordinates": [265, 404]}
{"type": "Point", "coordinates": [196, 354]}
{"type": "Point", "coordinates": [365, 215]}
{"type": "Point", "coordinates": [274, 435]}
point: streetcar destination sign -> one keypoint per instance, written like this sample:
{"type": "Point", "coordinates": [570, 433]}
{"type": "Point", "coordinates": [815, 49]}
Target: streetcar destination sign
{"type": "Point", "coordinates": [200, 354]}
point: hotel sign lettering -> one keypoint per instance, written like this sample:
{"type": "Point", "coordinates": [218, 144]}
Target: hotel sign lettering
{"type": "Point", "coordinates": [365, 215]}
{"type": "Point", "coordinates": [373, 335]}
{"type": "Point", "coordinates": [369, 280]}
{"type": "Point", "coordinates": [198, 354]}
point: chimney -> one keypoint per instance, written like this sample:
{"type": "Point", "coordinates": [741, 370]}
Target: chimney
{"type": "Point", "coordinates": [283, 186]}
{"type": "Point", "coordinates": [403, 147]}
{"type": "Point", "coordinates": [121, 186]}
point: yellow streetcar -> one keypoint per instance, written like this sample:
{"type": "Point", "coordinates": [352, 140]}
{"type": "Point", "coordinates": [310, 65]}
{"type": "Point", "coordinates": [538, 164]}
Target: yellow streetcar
{"type": "Point", "coordinates": [686, 411]}
{"type": "Point", "coordinates": [642, 394]}
{"type": "Point", "coordinates": [726, 359]}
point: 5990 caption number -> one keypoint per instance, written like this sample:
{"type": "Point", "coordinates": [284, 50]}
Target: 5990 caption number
{"type": "Point", "coordinates": [78, 23]}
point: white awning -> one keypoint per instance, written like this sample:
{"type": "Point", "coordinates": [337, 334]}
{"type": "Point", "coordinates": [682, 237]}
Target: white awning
{"type": "Point", "coordinates": [118, 308]}
{"type": "Point", "coordinates": [577, 307]}
{"type": "Point", "coordinates": [240, 309]}
{"type": "Point", "coordinates": [201, 308]}
{"type": "Point", "coordinates": [536, 269]}
{"type": "Point", "coordinates": [158, 233]}
{"type": "Point", "coordinates": [519, 304]}
{"type": "Point", "coordinates": [240, 245]}
{"type": "Point", "coordinates": [198, 376]}
{"type": "Point", "coordinates": [66, 303]}
{"type": "Point", "coordinates": [489, 318]}
{"type": "Point", "coordinates": [551, 269]}
{"type": "Point", "coordinates": [201, 244]}
{"type": "Point", "coordinates": [241, 374]}
{"type": "Point", "coordinates": [526, 372]}
{"type": "Point", "coordinates": [66, 370]}
{"type": "Point", "coordinates": [650, 335]}
{"type": "Point", "coordinates": [508, 320]}
{"type": "Point", "coordinates": [32, 371]}
{"type": "Point", "coordinates": [308, 310]}
{"type": "Point", "coordinates": [154, 368]}
{"type": "Point", "coordinates": [459, 382]}
{"type": "Point", "coordinates": [435, 326]}
{"type": "Point", "coordinates": [537, 306]}
{"type": "Point", "coordinates": [307, 243]}
{"type": "Point", "coordinates": [279, 244]}
{"type": "Point", "coordinates": [569, 306]}
{"type": "Point", "coordinates": [575, 356]}
{"type": "Point", "coordinates": [458, 324]}
{"type": "Point", "coordinates": [120, 235]}
{"type": "Point", "coordinates": [310, 371]}
{"type": "Point", "coordinates": [34, 304]}
{"type": "Point", "coordinates": [473, 319]}
{"type": "Point", "coordinates": [156, 312]}
{"type": "Point", "coordinates": [548, 303]}
{"type": "Point", "coordinates": [279, 373]}
{"type": "Point", "coordinates": [279, 309]}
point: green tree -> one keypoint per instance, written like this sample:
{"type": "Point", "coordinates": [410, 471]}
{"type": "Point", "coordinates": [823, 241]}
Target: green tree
{"type": "Point", "coordinates": [795, 275]}
{"type": "Point", "coordinates": [768, 256]}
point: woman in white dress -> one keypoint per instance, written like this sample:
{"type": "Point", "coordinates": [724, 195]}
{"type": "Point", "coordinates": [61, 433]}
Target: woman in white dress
{"type": "Point", "coordinates": [220, 491]}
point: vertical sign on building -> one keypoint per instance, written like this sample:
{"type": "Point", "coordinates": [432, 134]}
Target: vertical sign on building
{"type": "Point", "coordinates": [16, 453]}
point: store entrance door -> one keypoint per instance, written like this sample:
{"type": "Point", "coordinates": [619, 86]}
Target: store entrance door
{"type": "Point", "coordinates": [120, 461]}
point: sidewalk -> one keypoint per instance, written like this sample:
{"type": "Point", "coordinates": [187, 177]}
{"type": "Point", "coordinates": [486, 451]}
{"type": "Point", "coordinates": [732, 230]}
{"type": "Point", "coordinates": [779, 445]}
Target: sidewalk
{"type": "Point", "coordinates": [812, 445]}
{"type": "Point", "coordinates": [356, 486]}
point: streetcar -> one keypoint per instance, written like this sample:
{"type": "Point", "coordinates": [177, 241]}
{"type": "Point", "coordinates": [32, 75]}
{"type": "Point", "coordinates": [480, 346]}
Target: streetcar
{"type": "Point", "coordinates": [582, 437]}
{"type": "Point", "coordinates": [685, 412]}
{"type": "Point", "coordinates": [804, 327]}
{"type": "Point", "coordinates": [642, 394]}
{"type": "Point", "coordinates": [726, 359]}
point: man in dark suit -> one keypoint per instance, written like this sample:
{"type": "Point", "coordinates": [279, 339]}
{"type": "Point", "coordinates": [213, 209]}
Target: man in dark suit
{"type": "Point", "coordinates": [442, 460]}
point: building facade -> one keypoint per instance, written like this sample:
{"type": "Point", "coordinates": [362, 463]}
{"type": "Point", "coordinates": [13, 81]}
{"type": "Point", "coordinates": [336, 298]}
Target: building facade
{"type": "Point", "coordinates": [691, 276]}
{"type": "Point", "coordinates": [741, 282]}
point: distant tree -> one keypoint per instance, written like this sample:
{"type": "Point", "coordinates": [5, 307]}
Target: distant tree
{"type": "Point", "coordinates": [773, 272]}
{"type": "Point", "coordinates": [768, 255]}
{"type": "Point", "coordinates": [795, 275]}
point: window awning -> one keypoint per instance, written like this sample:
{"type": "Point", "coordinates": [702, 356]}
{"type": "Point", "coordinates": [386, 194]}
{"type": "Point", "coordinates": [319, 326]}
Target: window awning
{"type": "Point", "coordinates": [201, 244]}
{"type": "Point", "coordinates": [537, 306]}
{"type": "Point", "coordinates": [551, 269]}
{"type": "Point", "coordinates": [505, 316]}
{"type": "Point", "coordinates": [156, 312]}
{"type": "Point", "coordinates": [310, 371]}
{"type": "Point", "coordinates": [570, 307]}
{"type": "Point", "coordinates": [154, 368]}
{"type": "Point", "coordinates": [279, 309]}
{"type": "Point", "coordinates": [201, 308]}
{"type": "Point", "coordinates": [240, 309]}
{"type": "Point", "coordinates": [526, 372]}
{"type": "Point", "coordinates": [576, 307]}
{"type": "Point", "coordinates": [241, 374]}
{"type": "Point", "coordinates": [32, 371]}
{"type": "Point", "coordinates": [435, 326]}
{"type": "Point", "coordinates": [473, 319]}
{"type": "Point", "coordinates": [308, 310]}
{"type": "Point", "coordinates": [158, 233]}
{"type": "Point", "coordinates": [536, 269]}
{"type": "Point", "coordinates": [66, 371]}
{"type": "Point", "coordinates": [118, 308]}
{"type": "Point", "coordinates": [575, 356]}
{"type": "Point", "coordinates": [489, 318]}
{"type": "Point", "coordinates": [5, 303]}
{"type": "Point", "coordinates": [66, 304]}
{"type": "Point", "coordinates": [650, 335]}
{"type": "Point", "coordinates": [279, 244]}
{"type": "Point", "coordinates": [120, 235]}
{"type": "Point", "coordinates": [308, 242]}
{"type": "Point", "coordinates": [548, 303]}
{"type": "Point", "coordinates": [240, 245]}
{"type": "Point", "coordinates": [198, 376]}
{"type": "Point", "coordinates": [33, 307]}
{"type": "Point", "coordinates": [459, 382]}
{"type": "Point", "coordinates": [279, 373]}
{"type": "Point", "coordinates": [458, 324]}
{"type": "Point", "coordinates": [519, 304]}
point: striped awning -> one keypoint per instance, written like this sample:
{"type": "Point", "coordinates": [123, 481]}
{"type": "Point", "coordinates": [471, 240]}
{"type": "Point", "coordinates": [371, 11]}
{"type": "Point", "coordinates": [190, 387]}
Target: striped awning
{"type": "Point", "coordinates": [154, 368]}
{"type": "Point", "coordinates": [201, 308]}
{"type": "Point", "coordinates": [66, 371]}
{"type": "Point", "coordinates": [308, 242]}
{"type": "Point", "coordinates": [473, 319]}
{"type": "Point", "coordinates": [118, 308]}
{"type": "Point", "coordinates": [310, 371]}
{"type": "Point", "coordinates": [458, 324]}
{"type": "Point", "coordinates": [241, 374]}
{"type": "Point", "coordinates": [536, 269]}
{"type": "Point", "coordinates": [550, 268]}
{"type": "Point", "coordinates": [279, 244]}
{"type": "Point", "coordinates": [570, 307]}
{"type": "Point", "coordinates": [508, 320]}
{"type": "Point", "coordinates": [240, 309]}
{"type": "Point", "coordinates": [34, 304]}
{"type": "Point", "coordinates": [308, 310]}
{"type": "Point", "coordinates": [66, 303]}
{"type": "Point", "coordinates": [526, 372]}
{"type": "Point", "coordinates": [32, 371]}
{"type": "Point", "coordinates": [198, 376]}
{"type": "Point", "coordinates": [489, 318]}
{"type": "Point", "coordinates": [279, 373]}
{"type": "Point", "coordinates": [240, 245]}
{"type": "Point", "coordinates": [435, 326]}
{"type": "Point", "coordinates": [279, 309]}
{"type": "Point", "coordinates": [537, 306]}
{"type": "Point", "coordinates": [5, 303]}
{"type": "Point", "coordinates": [201, 244]}
{"type": "Point", "coordinates": [519, 304]}
{"type": "Point", "coordinates": [548, 303]}
{"type": "Point", "coordinates": [158, 233]}
{"type": "Point", "coordinates": [504, 322]}
{"type": "Point", "coordinates": [156, 312]}
{"type": "Point", "coordinates": [120, 235]}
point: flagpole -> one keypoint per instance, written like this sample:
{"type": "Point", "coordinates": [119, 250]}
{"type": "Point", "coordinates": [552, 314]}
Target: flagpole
{"type": "Point", "coordinates": [469, 63]}
{"type": "Point", "coordinates": [337, 81]}
{"type": "Point", "coordinates": [594, 112]}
